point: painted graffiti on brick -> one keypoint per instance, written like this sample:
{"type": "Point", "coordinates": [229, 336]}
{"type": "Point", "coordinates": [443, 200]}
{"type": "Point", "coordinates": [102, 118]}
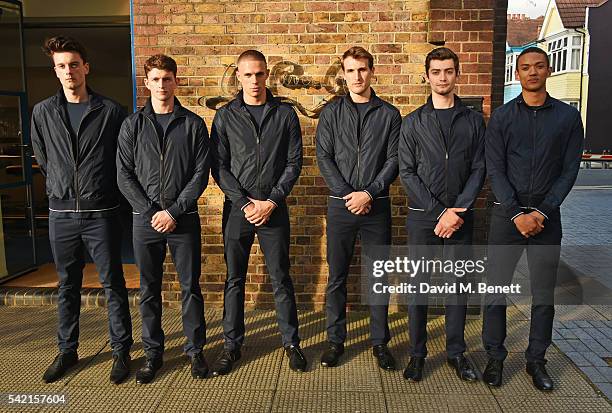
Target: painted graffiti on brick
{"type": "Point", "coordinates": [289, 75]}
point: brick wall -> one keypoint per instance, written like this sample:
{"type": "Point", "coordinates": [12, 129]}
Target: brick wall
{"type": "Point", "coordinates": [206, 36]}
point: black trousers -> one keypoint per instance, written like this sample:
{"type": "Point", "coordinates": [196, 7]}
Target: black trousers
{"type": "Point", "coordinates": [506, 245]}
{"type": "Point", "coordinates": [374, 229]}
{"type": "Point", "coordinates": [150, 252]}
{"type": "Point", "coordinates": [238, 237]}
{"type": "Point", "coordinates": [424, 242]}
{"type": "Point", "coordinates": [102, 238]}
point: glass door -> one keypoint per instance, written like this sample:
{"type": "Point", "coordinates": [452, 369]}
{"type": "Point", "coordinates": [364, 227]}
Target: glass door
{"type": "Point", "coordinates": [17, 231]}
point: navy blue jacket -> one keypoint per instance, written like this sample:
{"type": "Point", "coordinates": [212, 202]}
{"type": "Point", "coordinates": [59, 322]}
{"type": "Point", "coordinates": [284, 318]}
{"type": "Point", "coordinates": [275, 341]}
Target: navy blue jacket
{"type": "Point", "coordinates": [533, 155]}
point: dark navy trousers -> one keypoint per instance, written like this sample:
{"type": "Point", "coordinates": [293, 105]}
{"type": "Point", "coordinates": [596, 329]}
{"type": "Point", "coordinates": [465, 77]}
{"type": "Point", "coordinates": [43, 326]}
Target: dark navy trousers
{"type": "Point", "coordinates": [150, 253]}
{"type": "Point", "coordinates": [101, 237]}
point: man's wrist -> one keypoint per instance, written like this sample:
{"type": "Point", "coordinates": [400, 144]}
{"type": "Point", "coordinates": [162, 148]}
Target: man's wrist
{"type": "Point", "coordinates": [170, 215]}
{"type": "Point", "coordinates": [369, 195]}
{"type": "Point", "coordinates": [516, 216]}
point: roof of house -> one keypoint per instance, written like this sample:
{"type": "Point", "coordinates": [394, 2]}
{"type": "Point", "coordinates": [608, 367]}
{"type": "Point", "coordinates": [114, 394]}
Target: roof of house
{"type": "Point", "coordinates": [522, 30]}
{"type": "Point", "coordinates": [573, 12]}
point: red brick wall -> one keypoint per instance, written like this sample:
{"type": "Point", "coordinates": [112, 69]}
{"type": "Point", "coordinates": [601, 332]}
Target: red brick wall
{"type": "Point", "coordinates": [204, 36]}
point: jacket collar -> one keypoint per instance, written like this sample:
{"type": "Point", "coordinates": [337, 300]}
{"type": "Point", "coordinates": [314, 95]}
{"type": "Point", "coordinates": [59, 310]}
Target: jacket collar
{"type": "Point", "coordinates": [178, 111]}
{"type": "Point", "coordinates": [94, 101]}
{"type": "Point", "coordinates": [547, 103]}
{"type": "Point", "coordinates": [271, 100]}
{"type": "Point", "coordinates": [459, 105]}
{"type": "Point", "coordinates": [375, 101]}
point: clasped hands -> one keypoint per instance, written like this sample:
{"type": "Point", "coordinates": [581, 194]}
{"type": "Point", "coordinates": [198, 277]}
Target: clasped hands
{"type": "Point", "coordinates": [529, 224]}
{"type": "Point", "coordinates": [163, 222]}
{"type": "Point", "coordinates": [449, 222]}
{"type": "Point", "coordinates": [358, 203]}
{"type": "Point", "coordinates": [258, 212]}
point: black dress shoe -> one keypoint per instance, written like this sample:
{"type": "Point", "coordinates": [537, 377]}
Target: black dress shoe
{"type": "Point", "coordinates": [330, 357]}
{"type": "Point", "coordinates": [146, 374]}
{"type": "Point", "coordinates": [492, 374]}
{"type": "Point", "coordinates": [121, 368]}
{"type": "Point", "coordinates": [463, 368]}
{"type": "Point", "coordinates": [61, 364]}
{"type": "Point", "coordinates": [297, 360]}
{"type": "Point", "coordinates": [541, 379]}
{"type": "Point", "coordinates": [384, 356]}
{"type": "Point", "coordinates": [199, 367]}
{"type": "Point", "coordinates": [226, 360]}
{"type": "Point", "coordinates": [414, 371]}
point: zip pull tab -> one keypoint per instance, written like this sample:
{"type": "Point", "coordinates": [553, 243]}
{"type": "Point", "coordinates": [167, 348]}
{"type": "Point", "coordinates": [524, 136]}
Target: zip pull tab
{"type": "Point", "coordinates": [257, 137]}
{"type": "Point", "coordinates": [446, 155]}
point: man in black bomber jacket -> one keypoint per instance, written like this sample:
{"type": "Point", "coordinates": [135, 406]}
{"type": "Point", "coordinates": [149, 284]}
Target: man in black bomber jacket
{"type": "Point", "coordinates": [533, 150]}
{"type": "Point", "coordinates": [257, 145]}
{"type": "Point", "coordinates": [442, 167]}
{"type": "Point", "coordinates": [74, 136]}
{"type": "Point", "coordinates": [357, 139]}
{"type": "Point", "coordinates": [162, 169]}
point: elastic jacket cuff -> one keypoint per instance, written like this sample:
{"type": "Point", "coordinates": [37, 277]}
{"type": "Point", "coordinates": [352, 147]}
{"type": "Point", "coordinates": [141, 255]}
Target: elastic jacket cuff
{"type": "Point", "coordinates": [150, 212]}
{"type": "Point", "coordinates": [438, 210]}
{"type": "Point", "coordinates": [545, 209]}
{"type": "Point", "coordinates": [514, 212]}
{"type": "Point", "coordinates": [174, 212]}
{"type": "Point", "coordinates": [171, 214]}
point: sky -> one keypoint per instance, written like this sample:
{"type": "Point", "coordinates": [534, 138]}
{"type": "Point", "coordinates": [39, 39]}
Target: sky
{"type": "Point", "coordinates": [532, 8]}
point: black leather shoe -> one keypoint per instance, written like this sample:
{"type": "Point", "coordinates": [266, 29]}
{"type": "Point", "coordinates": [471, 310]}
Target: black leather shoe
{"type": "Point", "coordinates": [121, 368]}
{"type": "Point", "coordinates": [384, 356]}
{"type": "Point", "coordinates": [541, 379]}
{"type": "Point", "coordinates": [199, 367]}
{"type": "Point", "coordinates": [297, 360]}
{"type": "Point", "coordinates": [61, 364]}
{"type": "Point", "coordinates": [414, 371]}
{"type": "Point", "coordinates": [226, 360]}
{"type": "Point", "coordinates": [330, 357]}
{"type": "Point", "coordinates": [146, 374]}
{"type": "Point", "coordinates": [463, 368]}
{"type": "Point", "coordinates": [492, 374]}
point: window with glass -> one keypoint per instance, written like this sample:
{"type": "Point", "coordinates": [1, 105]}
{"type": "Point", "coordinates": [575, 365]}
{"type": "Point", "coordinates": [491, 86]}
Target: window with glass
{"type": "Point", "coordinates": [510, 67]}
{"type": "Point", "coordinates": [565, 53]}
{"type": "Point", "coordinates": [576, 51]}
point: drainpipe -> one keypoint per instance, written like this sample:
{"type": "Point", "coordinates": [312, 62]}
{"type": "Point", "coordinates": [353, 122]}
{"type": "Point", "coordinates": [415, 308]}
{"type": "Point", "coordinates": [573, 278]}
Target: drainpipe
{"type": "Point", "coordinates": [584, 35]}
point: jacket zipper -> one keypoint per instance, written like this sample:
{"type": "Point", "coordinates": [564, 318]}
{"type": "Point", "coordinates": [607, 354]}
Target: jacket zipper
{"type": "Point", "coordinates": [359, 127]}
{"type": "Point", "coordinates": [258, 148]}
{"type": "Point", "coordinates": [75, 155]}
{"type": "Point", "coordinates": [359, 130]}
{"type": "Point", "coordinates": [162, 151]}
{"type": "Point", "coordinates": [445, 153]}
{"type": "Point", "coordinates": [533, 140]}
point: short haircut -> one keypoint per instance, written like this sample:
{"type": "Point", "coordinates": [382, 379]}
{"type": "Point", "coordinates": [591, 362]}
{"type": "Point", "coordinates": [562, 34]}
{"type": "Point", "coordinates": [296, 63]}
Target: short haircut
{"type": "Point", "coordinates": [358, 52]}
{"type": "Point", "coordinates": [161, 62]}
{"type": "Point", "coordinates": [58, 44]}
{"type": "Point", "coordinates": [534, 49]}
{"type": "Point", "coordinates": [441, 53]}
{"type": "Point", "coordinates": [253, 55]}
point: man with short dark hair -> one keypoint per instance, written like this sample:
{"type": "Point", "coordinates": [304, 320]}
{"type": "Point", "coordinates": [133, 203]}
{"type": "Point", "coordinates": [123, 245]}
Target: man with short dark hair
{"type": "Point", "coordinates": [162, 169]}
{"type": "Point", "coordinates": [74, 136]}
{"type": "Point", "coordinates": [442, 167]}
{"type": "Point", "coordinates": [533, 152]}
{"type": "Point", "coordinates": [257, 145]}
{"type": "Point", "coordinates": [357, 139]}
